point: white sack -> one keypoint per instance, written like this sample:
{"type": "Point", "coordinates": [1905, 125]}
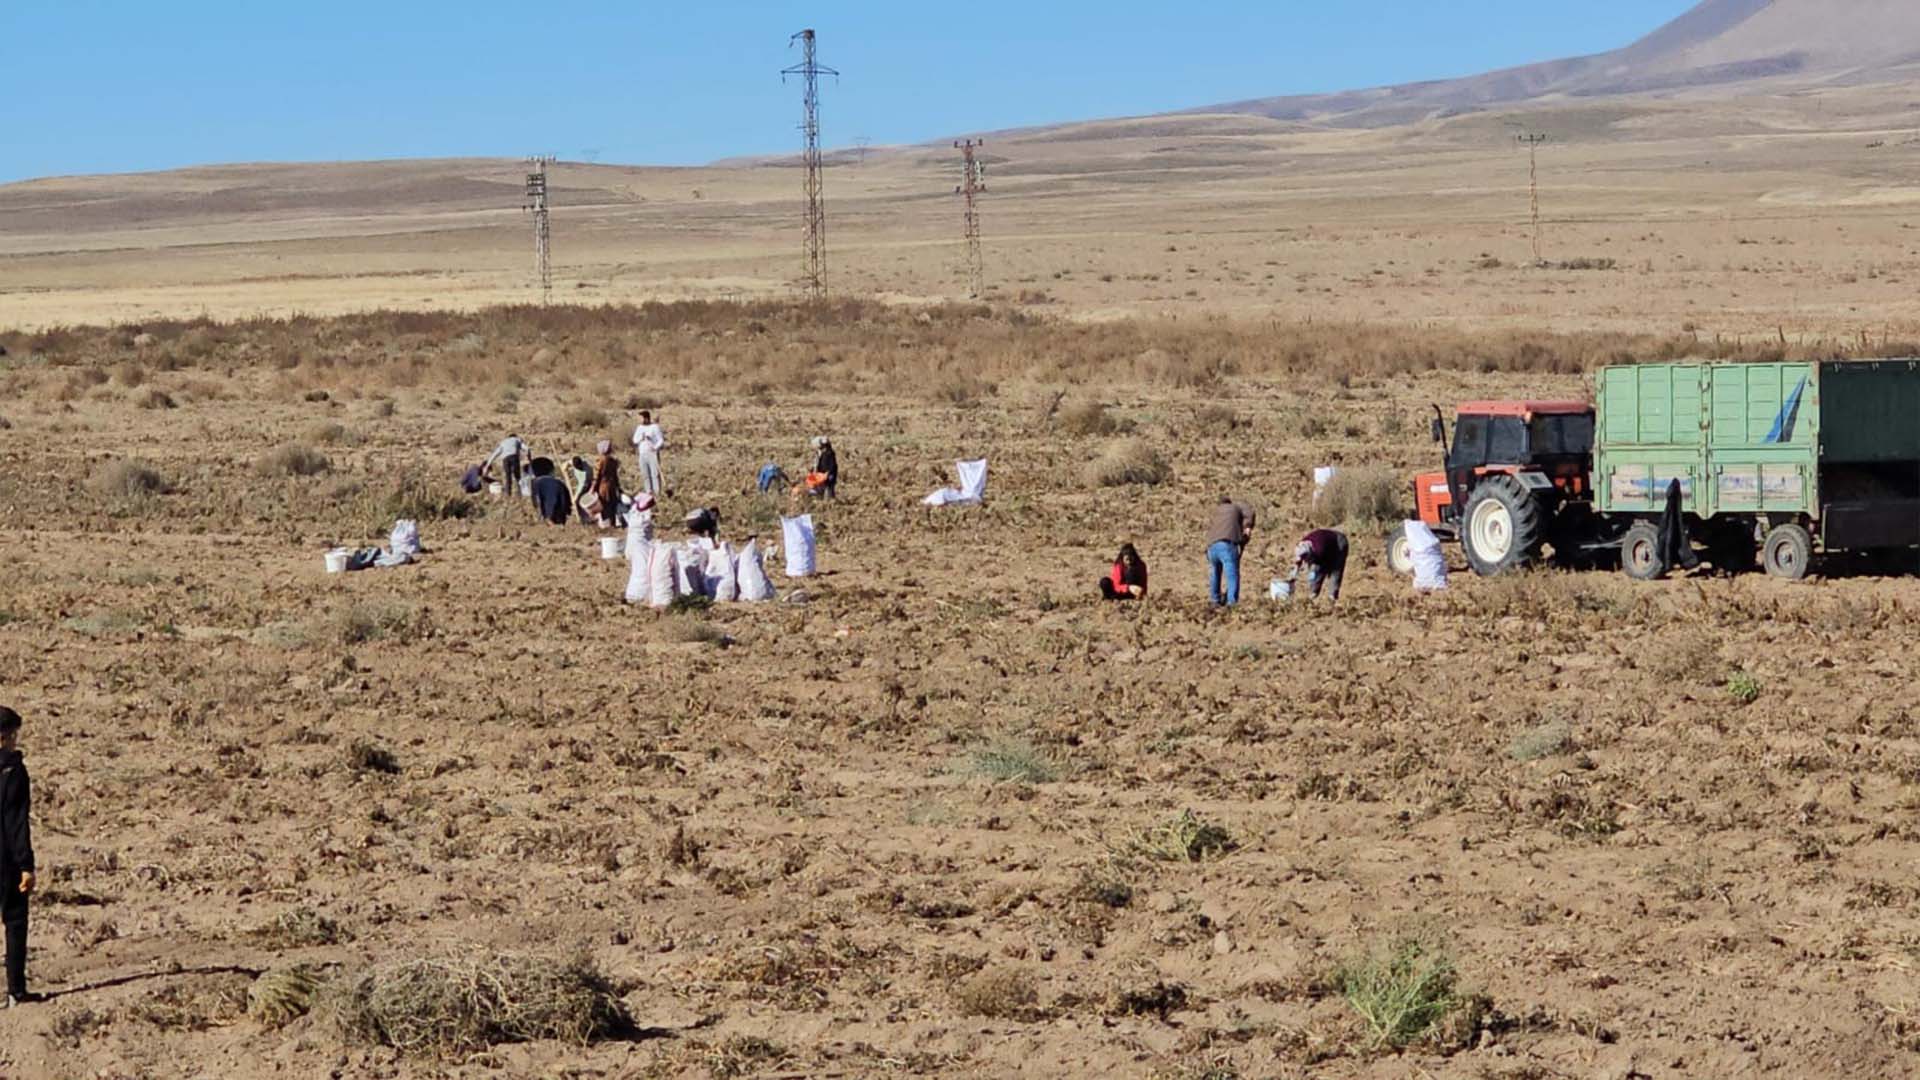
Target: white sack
{"type": "Point", "coordinates": [692, 566]}
{"type": "Point", "coordinates": [798, 532]}
{"type": "Point", "coordinates": [406, 538]}
{"type": "Point", "coordinates": [722, 583]}
{"type": "Point", "coordinates": [639, 558]}
{"type": "Point", "coordinates": [754, 586]}
{"type": "Point", "coordinates": [1429, 563]}
{"type": "Point", "coordinates": [663, 566]}
{"type": "Point", "coordinates": [972, 489]}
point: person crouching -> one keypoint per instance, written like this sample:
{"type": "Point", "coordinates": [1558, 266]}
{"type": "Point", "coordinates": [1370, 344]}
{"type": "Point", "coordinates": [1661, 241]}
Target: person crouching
{"type": "Point", "coordinates": [1128, 578]}
{"type": "Point", "coordinates": [1322, 556]}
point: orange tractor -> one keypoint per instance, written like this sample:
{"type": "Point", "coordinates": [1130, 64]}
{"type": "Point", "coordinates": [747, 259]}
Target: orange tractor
{"type": "Point", "coordinates": [1515, 487]}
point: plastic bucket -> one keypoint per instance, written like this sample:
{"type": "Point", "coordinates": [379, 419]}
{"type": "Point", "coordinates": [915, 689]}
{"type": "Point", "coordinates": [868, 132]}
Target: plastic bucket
{"type": "Point", "coordinates": [610, 547]}
{"type": "Point", "coordinates": [496, 489]}
{"type": "Point", "coordinates": [1280, 591]}
{"type": "Point", "coordinates": [337, 560]}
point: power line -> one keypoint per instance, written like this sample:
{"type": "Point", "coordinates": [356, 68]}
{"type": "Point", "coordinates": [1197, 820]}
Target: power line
{"type": "Point", "coordinates": [1532, 141]}
{"type": "Point", "coordinates": [542, 234]}
{"type": "Point", "coordinates": [972, 184]}
{"type": "Point", "coordinates": [809, 69]}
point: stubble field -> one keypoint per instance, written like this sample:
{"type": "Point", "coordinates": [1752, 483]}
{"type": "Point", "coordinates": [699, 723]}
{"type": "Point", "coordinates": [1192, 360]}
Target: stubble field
{"type": "Point", "coordinates": [949, 815]}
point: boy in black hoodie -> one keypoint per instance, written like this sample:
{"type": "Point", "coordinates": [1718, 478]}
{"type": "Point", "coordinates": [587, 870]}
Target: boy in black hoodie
{"type": "Point", "coordinates": [16, 855]}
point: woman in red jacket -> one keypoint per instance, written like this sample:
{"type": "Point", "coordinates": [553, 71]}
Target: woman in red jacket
{"type": "Point", "coordinates": [1128, 579]}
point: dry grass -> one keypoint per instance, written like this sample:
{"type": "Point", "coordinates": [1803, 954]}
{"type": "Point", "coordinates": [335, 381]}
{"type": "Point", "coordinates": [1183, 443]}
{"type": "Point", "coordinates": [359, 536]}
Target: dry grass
{"type": "Point", "coordinates": [127, 479]}
{"type": "Point", "coordinates": [999, 993]}
{"type": "Point", "coordinates": [1092, 418]}
{"type": "Point", "coordinates": [283, 995]}
{"type": "Point", "coordinates": [1128, 461]}
{"type": "Point", "coordinates": [1363, 498]}
{"type": "Point", "coordinates": [292, 459]}
{"type": "Point", "coordinates": [462, 1003]}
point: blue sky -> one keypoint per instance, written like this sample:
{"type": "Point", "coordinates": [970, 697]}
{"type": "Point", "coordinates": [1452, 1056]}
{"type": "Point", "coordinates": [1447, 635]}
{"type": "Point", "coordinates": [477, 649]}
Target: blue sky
{"type": "Point", "coordinates": [97, 86]}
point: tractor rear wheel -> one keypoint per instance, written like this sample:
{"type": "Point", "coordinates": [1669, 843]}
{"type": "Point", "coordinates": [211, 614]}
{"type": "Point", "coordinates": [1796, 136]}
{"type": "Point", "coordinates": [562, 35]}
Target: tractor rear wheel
{"type": "Point", "coordinates": [1788, 552]}
{"type": "Point", "coordinates": [1504, 527]}
{"type": "Point", "coordinates": [1640, 552]}
{"type": "Point", "coordinates": [1399, 553]}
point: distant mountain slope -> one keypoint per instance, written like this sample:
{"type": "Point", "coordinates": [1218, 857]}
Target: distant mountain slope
{"type": "Point", "coordinates": [1718, 43]}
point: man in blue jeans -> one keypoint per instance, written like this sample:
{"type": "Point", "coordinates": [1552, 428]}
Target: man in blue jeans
{"type": "Point", "coordinates": [1226, 538]}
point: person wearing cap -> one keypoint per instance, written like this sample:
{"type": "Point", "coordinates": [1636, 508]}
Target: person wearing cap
{"type": "Point", "coordinates": [606, 484]}
{"type": "Point", "coordinates": [648, 441]}
{"type": "Point", "coordinates": [825, 478]}
{"type": "Point", "coordinates": [1322, 556]}
{"type": "Point", "coordinates": [16, 854]}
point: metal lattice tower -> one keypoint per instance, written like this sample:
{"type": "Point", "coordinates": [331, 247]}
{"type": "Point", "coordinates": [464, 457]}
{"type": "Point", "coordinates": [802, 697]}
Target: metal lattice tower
{"type": "Point", "coordinates": [1532, 142]}
{"type": "Point", "coordinates": [542, 232]}
{"type": "Point", "coordinates": [972, 184]}
{"type": "Point", "coordinates": [809, 70]}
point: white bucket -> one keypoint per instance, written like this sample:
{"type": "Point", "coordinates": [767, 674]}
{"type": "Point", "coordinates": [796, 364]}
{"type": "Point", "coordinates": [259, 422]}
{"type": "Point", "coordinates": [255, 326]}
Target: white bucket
{"type": "Point", "coordinates": [1280, 591]}
{"type": "Point", "coordinates": [495, 489]}
{"type": "Point", "coordinates": [337, 560]}
{"type": "Point", "coordinates": [610, 547]}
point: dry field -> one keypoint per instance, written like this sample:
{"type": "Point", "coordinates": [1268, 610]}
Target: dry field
{"type": "Point", "coordinates": [949, 816]}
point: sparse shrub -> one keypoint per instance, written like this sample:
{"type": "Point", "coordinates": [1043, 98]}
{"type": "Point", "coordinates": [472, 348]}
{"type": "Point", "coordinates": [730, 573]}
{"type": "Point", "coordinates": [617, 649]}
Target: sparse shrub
{"type": "Point", "coordinates": [1012, 760]}
{"type": "Point", "coordinates": [1214, 418]}
{"type": "Point", "coordinates": [413, 498]}
{"type": "Point", "coordinates": [962, 391]}
{"type": "Point", "coordinates": [1128, 461]}
{"type": "Point", "coordinates": [1363, 498]}
{"type": "Point", "coordinates": [1092, 418]}
{"type": "Point", "coordinates": [1586, 263]}
{"type": "Point", "coordinates": [331, 433]}
{"type": "Point", "coordinates": [461, 1004]}
{"type": "Point", "coordinates": [303, 927]}
{"type": "Point", "coordinates": [283, 995]}
{"type": "Point", "coordinates": [292, 459]}
{"type": "Point", "coordinates": [1182, 838]}
{"type": "Point", "coordinates": [365, 756]}
{"type": "Point", "coordinates": [1308, 424]}
{"type": "Point", "coordinates": [362, 623]}
{"type": "Point", "coordinates": [743, 1055]}
{"type": "Point", "coordinates": [999, 993]}
{"type": "Point", "coordinates": [1405, 989]}
{"type": "Point", "coordinates": [584, 418]}
{"type": "Point", "coordinates": [692, 631]}
{"type": "Point", "coordinates": [1548, 740]}
{"type": "Point", "coordinates": [154, 398]}
{"type": "Point", "coordinates": [1743, 688]}
{"type": "Point", "coordinates": [127, 479]}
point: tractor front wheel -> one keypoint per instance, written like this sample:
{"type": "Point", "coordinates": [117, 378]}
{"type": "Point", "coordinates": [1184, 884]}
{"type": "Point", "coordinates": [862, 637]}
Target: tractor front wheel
{"type": "Point", "coordinates": [1399, 552]}
{"type": "Point", "coordinates": [1504, 527]}
{"type": "Point", "coordinates": [1788, 552]}
{"type": "Point", "coordinates": [1640, 552]}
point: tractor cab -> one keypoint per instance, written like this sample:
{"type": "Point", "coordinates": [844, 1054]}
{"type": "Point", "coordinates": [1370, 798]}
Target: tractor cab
{"type": "Point", "coordinates": [1511, 469]}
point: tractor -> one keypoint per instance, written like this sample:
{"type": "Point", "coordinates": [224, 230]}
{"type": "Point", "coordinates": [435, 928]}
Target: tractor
{"type": "Point", "coordinates": [1516, 484]}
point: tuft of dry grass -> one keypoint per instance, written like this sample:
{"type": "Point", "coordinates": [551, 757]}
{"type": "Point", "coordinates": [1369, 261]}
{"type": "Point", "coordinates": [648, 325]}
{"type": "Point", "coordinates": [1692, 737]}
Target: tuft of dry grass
{"type": "Point", "coordinates": [292, 459]}
{"type": "Point", "coordinates": [1092, 418]}
{"type": "Point", "coordinates": [300, 927]}
{"type": "Point", "coordinates": [127, 479]}
{"type": "Point", "coordinates": [584, 418]}
{"type": "Point", "coordinates": [283, 995]}
{"type": "Point", "coordinates": [692, 631]}
{"type": "Point", "coordinates": [332, 433]}
{"type": "Point", "coordinates": [999, 993]}
{"type": "Point", "coordinates": [1216, 419]}
{"type": "Point", "coordinates": [1185, 837]}
{"type": "Point", "coordinates": [461, 1003]}
{"type": "Point", "coordinates": [962, 391]}
{"type": "Point", "coordinates": [154, 398]}
{"type": "Point", "coordinates": [1128, 461]}
{"type": "Point", "coordinates": [1366, 497]}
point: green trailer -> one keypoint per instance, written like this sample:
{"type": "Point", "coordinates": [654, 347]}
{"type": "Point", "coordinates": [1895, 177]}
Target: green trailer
{"type": "Point", "coordinates": [1776, 461]}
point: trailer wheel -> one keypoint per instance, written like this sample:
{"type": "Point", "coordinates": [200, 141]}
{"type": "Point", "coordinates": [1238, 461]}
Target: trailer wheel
{"type": "Point", "coordinates": [1399, 554]}
{"type": "Point", "coordinates": [1788, 552]}
{"type": "Point", "coordinates": [1503, 527]}
{"type": "Point", "coordinates": [1640, 552]}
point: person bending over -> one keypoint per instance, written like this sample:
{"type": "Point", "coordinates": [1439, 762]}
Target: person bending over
{"type": "Point", "coordinates": [1322, 556]}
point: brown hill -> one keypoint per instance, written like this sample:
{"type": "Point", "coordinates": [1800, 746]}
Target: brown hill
{"type": "Point", "coordinates": [1718, 44]}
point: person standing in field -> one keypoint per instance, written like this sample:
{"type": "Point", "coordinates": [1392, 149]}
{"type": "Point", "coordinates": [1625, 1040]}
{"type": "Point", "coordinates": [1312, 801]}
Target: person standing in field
{"type": "Point", "coordinates": [648, 441]}
{"type": "Point", "coordinates": [1227, 536]}
{"type": "Point", "coordinates": [606, 485]}
{"type": "Point", "coordinates": [16, 854]}
{"type": "Point", "coordinates": [1322, 555]}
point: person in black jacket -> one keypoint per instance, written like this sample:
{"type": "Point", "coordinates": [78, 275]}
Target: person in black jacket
{"type": "Point", "coordinates": [827, 467]}
{"type": "Point", "coordinates": [16, 854]}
